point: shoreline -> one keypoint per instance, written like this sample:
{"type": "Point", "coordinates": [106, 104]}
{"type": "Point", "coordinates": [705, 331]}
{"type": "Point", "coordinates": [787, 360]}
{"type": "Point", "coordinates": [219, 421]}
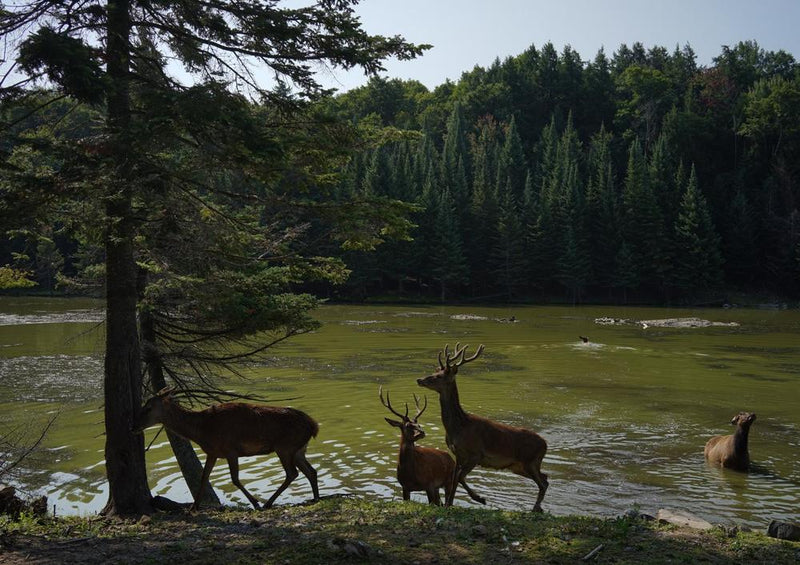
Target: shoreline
{"type": "Point", "coordinates": [348, 529]}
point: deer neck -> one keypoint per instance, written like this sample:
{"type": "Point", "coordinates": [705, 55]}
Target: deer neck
{"type": "Point", "coordinates": [405, 457]}
{"type": "Point", "coordinates": [740, 439]}
{"type": "Point", "coordinates": [453, 416]}
{"type": "Point", "coordinates": [182, 421]}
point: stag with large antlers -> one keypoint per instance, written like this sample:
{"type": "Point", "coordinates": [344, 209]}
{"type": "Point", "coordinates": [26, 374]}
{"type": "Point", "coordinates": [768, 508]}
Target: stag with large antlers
{"type": "Point", "coordinates": [478, 441]}
{"type": "Point", "coordinates": [421, 468]}
{"type": "Point", "coordinates": [236, 429]}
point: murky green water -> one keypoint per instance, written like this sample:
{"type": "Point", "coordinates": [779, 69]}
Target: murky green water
{"type": "Point", "coordinates": [625, 415]}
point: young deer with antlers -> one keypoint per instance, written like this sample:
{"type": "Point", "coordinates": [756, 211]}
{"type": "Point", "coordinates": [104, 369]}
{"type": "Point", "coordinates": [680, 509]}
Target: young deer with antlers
{"type": "Point", "coordinates": [478, 441]}
{"type": "Point", "coordinates": [236, 429]}
{"type": "Point", "coordinates": [421, 468]}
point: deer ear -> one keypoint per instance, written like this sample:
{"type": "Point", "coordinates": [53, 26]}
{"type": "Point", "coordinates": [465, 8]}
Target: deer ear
{"type": "Point", "coordinates": [394, 423]}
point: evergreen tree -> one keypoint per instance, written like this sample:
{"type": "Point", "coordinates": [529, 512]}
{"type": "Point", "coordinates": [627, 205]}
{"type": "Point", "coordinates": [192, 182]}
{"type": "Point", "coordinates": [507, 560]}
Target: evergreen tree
{"type": "Point", "coordinates": [448, 264]}
{"type": "Point", "coordinates": [626, 272]}
{"type": "Point", "coordinates": [508, 251]}
{"type": "Point", "coordinates": [512, 167]}
{"type": "Point", "coordinates": [483, 209]}
{"type": "Point", "coordinates": [112, 55]}
{"type": "Point", "coordinates": [455, 162]}
{"type": "Point", "coordinates": [601, 219]}
{"type": "Point", "coordinates": [573, 265]}
{"type": "Point", "coordinates": [642, 226]}
{"type": "Point", "coordinates": [741, 242]}
{"type": "Point", "coordinates": [698, 258]}
{"type": "Point", "coordinates": [378, 177]}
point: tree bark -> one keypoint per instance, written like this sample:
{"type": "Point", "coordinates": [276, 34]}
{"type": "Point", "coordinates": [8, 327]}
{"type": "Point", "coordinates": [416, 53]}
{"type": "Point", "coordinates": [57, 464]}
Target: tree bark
{"type": "Point", "coordinates": [124, 451]}
{"type": "Point", "coordinates": [190, 465]}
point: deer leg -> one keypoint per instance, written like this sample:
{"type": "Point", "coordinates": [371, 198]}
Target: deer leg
{"type": "Point", "coordinates": [233, 465]}
{"type": "Point", "coordinates": [291, 474]}
{"type": "Point", "coordinates": [309, 471]}
{"type": "Point", "coordinates": [448, 486]}
{"type": "Point", "coordinates": [206, 473]}
{"type": "Point", "coordinates": [406, 493]}
{"type": "Point", "coordinates": [433, 496]}
{"type": "Point", "coordinates": [460, 473]}
{"type": "Point", "coordinates": [472, 494]}
{"type": "Point", "coordinates": [535, 473]}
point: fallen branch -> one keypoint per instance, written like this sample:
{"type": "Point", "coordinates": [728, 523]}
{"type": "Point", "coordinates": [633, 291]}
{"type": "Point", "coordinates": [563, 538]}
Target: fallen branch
{"type": "Point", "coordinates": [592, 553]}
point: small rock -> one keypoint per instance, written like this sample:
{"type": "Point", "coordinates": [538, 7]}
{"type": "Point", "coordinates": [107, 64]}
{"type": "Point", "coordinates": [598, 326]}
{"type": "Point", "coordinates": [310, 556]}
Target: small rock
{"type": "Point", "coordinates": [354, 548]}
{"type": "Point", "coordinates": [479, 530]}
{"type": "Point", "coordinates": [635, 514]}
{"type": "Point", "coordinates": [255, 523]}
{"type": "Point", "coordinates": [144, 520]}
{"type": "Point", "coordinates": [682, 518]}
{"type": "Point", "coordinates": [784, 530]}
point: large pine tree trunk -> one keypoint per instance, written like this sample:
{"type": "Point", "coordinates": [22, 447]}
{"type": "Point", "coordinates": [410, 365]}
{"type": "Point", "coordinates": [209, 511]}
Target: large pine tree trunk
{"type": "Point", "coordinates": [124, 451]}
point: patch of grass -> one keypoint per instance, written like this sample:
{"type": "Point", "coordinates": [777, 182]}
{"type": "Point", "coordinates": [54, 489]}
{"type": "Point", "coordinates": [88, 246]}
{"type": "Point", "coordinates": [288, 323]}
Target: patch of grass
{"type": "Point", "coordinates": [347, 530]}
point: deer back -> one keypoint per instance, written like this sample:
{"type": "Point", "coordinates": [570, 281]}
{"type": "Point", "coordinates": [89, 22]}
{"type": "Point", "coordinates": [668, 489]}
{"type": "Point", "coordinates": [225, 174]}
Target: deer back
{"type": "Point", "coordinates": [250, 429]}
{"type": "Point", "coordinates": [497, 443]}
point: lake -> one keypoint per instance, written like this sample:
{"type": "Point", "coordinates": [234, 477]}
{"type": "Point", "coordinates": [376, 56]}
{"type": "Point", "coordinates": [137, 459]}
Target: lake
{"type": "Point", "coordinates": [626, 415]}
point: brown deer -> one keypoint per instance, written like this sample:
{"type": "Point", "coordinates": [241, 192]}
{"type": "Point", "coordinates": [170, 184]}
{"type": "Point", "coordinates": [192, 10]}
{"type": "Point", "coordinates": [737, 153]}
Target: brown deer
{"type": "Point", "coordinates": [731, 451]}
{"type": "Point", "coordinates": [478, 441]}
{"type": "Point", "coordinates": [421, 468]}
{"type": "Point", "coordinates": [236, 429]}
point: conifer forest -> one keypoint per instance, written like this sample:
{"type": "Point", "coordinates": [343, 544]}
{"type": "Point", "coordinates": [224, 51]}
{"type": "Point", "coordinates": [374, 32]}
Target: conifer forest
{"type": "Point", "coordinates": [634, 177]}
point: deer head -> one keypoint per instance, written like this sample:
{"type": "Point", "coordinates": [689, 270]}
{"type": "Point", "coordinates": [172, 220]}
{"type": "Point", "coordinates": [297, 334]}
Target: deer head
{"type": "Point", "coordinates": [744, 419]}
{"type": "Point", "coordinates": [409, 427]}
{"type": "Point", "coordinates": [446, 373]}
{"type": "Point", "coordinates": [152, 412]}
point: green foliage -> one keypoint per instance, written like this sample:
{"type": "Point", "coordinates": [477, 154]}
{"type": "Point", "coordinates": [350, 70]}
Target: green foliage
{"type": "Point", "coordinates": [699, 264]}
{"type": "Point", "coordinates": [591, 152]}
{"type": "Point", "coordinates": [210, 198]}
{"type": "Point", "coordinates": [14, 278]}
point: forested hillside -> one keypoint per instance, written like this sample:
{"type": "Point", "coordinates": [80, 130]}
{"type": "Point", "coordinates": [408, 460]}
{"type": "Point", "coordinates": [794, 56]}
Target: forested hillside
{"type": "Point", "coordinates": [635, 177]}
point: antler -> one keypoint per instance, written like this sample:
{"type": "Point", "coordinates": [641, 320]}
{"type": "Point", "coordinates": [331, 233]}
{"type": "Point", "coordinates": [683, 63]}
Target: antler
{"type": "Point", "coordinates": [387, 403]}
{"type": "Point", "coordinates": [419, 411]}
{"type": "Point", "coordinates": [468, 359]}
{"type": "Point", "coordinates": [458, 356]}
{"type": "Point", "coordinates": [166, 391]}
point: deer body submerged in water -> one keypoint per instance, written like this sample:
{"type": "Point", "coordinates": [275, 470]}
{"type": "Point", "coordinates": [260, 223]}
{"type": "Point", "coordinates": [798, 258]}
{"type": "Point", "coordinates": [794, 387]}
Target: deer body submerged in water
{"type": "Point", "coordinates": [731, 451]}
{"type": "Point", "coordinates": [236, 429]}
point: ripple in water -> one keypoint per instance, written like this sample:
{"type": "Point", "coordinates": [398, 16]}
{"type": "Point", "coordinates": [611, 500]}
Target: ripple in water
{"type": "Point", "coordinates": [58, 378]}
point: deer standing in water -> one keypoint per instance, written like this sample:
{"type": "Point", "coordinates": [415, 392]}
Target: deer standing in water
{"type": "Point", "coordinates": [479, 441]}
{"type": "Point", "coordinates": [731, 451]}
{"type": "Point", "coordinates": [236, 429]}
{"type": "Point", "coordinates": [421, 468]}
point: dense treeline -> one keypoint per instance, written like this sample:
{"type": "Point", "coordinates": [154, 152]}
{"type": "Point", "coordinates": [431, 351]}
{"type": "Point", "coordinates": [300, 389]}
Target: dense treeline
{"type": "Point", "coordinates": [637, 177]}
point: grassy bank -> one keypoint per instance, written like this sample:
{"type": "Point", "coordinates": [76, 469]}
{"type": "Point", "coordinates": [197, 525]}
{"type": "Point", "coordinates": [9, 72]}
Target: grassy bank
{"type": "Point", "coordinates": [346, 530]}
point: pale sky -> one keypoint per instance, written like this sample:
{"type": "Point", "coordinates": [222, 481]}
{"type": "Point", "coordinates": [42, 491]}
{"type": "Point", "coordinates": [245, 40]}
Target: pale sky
{"type": "Point", "coordinates": [466, 33]}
